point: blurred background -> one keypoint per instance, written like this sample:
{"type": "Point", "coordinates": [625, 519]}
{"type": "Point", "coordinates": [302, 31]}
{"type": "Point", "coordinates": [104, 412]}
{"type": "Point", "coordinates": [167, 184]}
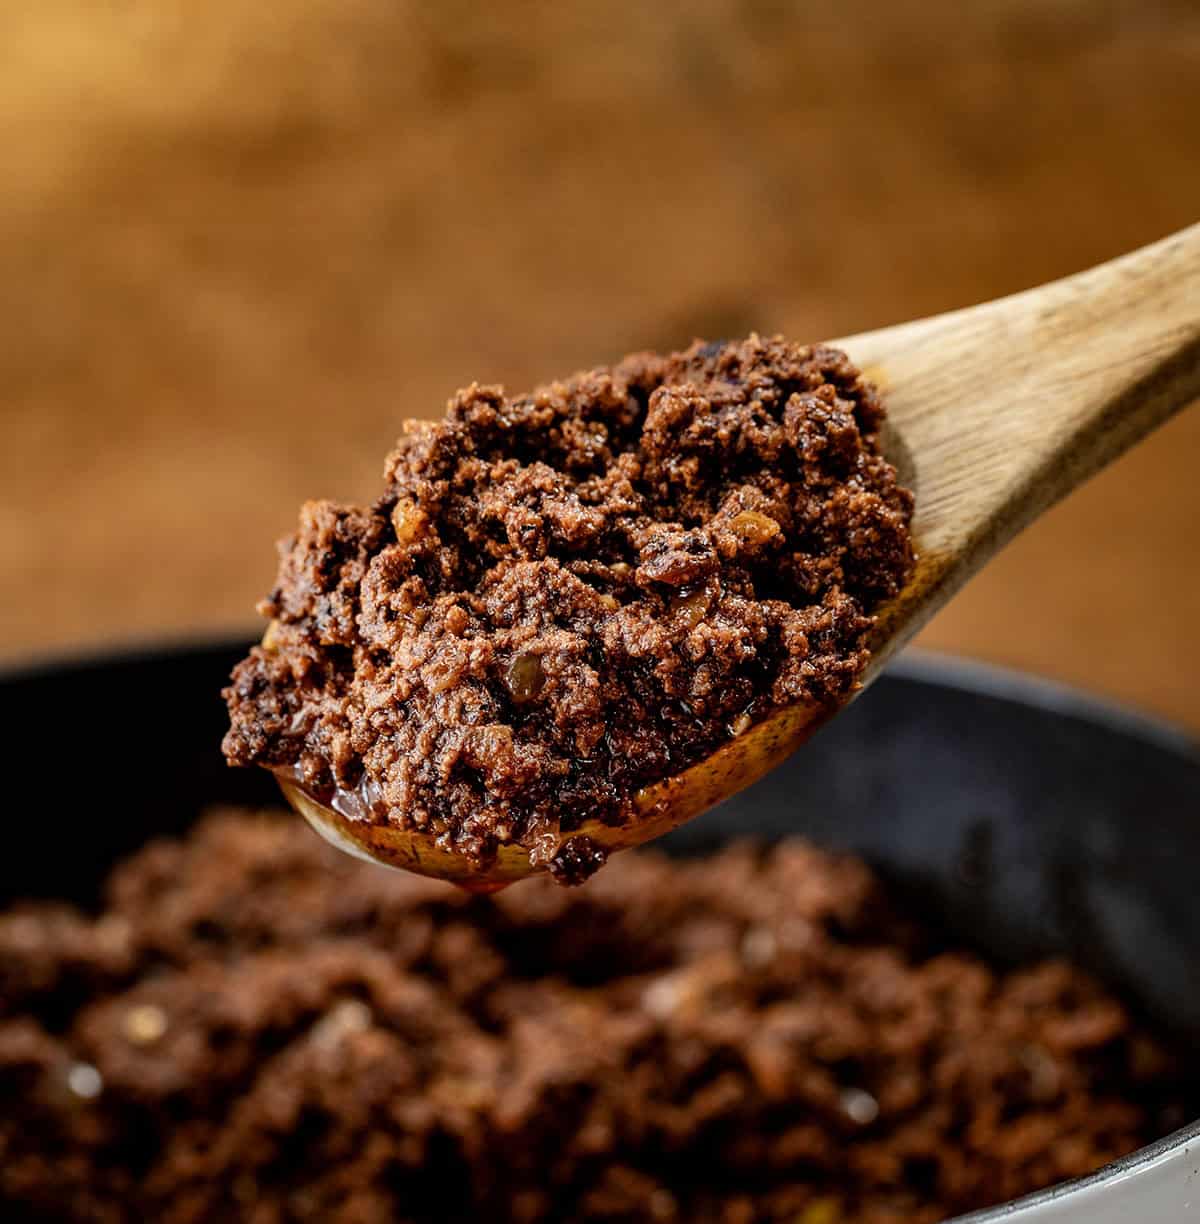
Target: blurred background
{"type": "Point", "coordinates": [239, 242]}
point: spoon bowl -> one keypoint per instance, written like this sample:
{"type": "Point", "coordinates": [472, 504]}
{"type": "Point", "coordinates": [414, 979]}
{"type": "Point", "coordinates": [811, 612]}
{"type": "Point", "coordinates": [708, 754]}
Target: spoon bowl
{"type": "Point", "coordinates": [657, 809]}
{"type": "Point", "coordinates": [995, 412]}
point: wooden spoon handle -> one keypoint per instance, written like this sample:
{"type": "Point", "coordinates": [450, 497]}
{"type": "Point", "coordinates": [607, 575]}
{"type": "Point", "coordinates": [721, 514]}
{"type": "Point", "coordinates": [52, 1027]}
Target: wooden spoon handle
{"type": "Point", "coordinates": [1000, 410]}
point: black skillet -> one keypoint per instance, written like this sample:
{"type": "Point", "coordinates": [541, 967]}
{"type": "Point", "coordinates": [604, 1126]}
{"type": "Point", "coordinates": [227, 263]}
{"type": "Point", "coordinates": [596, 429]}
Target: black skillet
{"type": "Point", "coordinates": [1027, 818]}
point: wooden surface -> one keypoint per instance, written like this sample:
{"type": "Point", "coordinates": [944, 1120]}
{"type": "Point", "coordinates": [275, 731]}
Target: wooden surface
{"type": "Point", "coordinates": [239, 243]}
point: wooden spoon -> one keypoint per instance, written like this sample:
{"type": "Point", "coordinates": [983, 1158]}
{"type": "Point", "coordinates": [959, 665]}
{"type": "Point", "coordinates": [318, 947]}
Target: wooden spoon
{"type": "Point", "coordinates": [995, 413]}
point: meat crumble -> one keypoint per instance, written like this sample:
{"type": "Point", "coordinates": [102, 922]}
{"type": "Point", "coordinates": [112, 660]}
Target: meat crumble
{"type": "Point", "coordinates": [255, 1027]}
{"type": "Point", "coordinates": [565, 596]}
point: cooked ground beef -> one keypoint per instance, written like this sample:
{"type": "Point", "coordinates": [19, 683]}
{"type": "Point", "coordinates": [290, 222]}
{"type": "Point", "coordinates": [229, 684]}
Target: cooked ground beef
{"type": "Point", "coordinates": [258, 1028]}
{"type": "Point", "coordinates": [563, 597]}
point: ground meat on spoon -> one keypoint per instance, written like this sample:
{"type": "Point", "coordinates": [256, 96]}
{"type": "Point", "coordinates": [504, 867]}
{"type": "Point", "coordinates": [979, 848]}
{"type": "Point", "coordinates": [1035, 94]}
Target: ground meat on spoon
{"type": "Point", "coordinates": [565, 596]}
